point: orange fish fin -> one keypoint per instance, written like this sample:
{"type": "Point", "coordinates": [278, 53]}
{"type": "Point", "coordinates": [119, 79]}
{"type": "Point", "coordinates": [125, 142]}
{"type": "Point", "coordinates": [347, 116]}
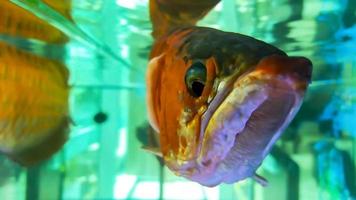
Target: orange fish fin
{"type": "Point", "coordinates": [167, 15]}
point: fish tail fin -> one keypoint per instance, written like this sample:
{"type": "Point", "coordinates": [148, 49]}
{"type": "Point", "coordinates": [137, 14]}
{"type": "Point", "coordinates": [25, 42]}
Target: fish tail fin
{"type": "Point", "coordinates": [167, 15]}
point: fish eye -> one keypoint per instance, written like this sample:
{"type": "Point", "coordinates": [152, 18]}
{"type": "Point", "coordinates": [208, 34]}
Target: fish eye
{"type": "Point", "coordinates": [195, 79]}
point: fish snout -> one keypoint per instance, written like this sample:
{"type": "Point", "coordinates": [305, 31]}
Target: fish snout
{"type": "Point", "coordinates": [253, 113]}
{"type": "Point", "coordinates": [302, 66]}
{"type": "Point", "coordinates": [297, 68]}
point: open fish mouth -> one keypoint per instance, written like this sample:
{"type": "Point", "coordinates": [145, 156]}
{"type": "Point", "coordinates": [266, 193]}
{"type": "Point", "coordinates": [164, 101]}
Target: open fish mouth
{"type": "Point", "coordinates": [245, 119]}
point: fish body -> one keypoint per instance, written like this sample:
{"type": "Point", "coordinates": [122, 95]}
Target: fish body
{"type": "Point", "coordinates": [34, 118]}
{"type": "Point", "coordinates": [220, 100]}
{"type": "Point", "coordinates": [33, 104]}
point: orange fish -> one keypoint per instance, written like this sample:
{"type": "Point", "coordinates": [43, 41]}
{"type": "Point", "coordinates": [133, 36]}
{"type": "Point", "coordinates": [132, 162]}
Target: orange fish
{"type": "Point", "coordinates": [33, 104]}
{"type": "Point", "coordinates": [34, 91]}
{"type": "Point", "coordinates": [218, 100]}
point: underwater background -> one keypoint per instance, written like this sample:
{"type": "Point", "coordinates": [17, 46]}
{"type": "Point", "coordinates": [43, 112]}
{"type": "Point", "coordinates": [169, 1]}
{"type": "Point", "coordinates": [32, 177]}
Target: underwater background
{"type": "Point", "coordinates": [105, 46]}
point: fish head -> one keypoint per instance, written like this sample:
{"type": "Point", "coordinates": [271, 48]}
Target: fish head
{"type": "Point", "coordinates": [219, 101]}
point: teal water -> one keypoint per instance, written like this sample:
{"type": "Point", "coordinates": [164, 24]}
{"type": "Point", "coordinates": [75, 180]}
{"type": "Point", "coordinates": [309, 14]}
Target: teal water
{"type": "Point", "coordinates": [107, 56]}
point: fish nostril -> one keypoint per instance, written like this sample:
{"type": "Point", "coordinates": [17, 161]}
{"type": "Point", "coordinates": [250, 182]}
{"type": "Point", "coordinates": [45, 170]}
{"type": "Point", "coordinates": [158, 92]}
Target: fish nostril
{"type": "Point", "coordinates": [206, 162]}
{"type": "Point", "coordinates": [225, 136]}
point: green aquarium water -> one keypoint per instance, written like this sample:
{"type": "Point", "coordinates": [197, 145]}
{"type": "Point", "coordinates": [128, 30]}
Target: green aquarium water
{"type": "Point", "coordinates": [107, 56]}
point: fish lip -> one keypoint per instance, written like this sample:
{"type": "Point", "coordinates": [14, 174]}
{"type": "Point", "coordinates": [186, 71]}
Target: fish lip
{"type": "Point", "coordinates": [254, 94]}
{"type": "Point", "coordinates": [216, 102]}
{"type": "Point", "coordinates": [220, 96]}
{"type": "Point", "coordinates": [228, 87]}
{"type": "Point", "coordinates": [185, 167]}
{"type": "Point", "coordinates": [206, 175]}
{"type": "Point", "coordinates": [213, 106]}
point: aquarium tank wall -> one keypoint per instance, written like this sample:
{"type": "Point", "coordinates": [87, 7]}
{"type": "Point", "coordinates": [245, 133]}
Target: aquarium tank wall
{"type": "Point", "coordinates": [105, 46]}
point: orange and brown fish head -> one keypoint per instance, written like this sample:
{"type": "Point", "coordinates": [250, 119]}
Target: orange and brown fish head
{"type": "Point", "coordinates": [220, 100]}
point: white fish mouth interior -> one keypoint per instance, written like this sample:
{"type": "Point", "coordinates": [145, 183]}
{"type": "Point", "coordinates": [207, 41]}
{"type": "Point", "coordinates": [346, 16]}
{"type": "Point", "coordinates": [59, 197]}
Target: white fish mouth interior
{"type": "Point", "coordinates": [240, 132]}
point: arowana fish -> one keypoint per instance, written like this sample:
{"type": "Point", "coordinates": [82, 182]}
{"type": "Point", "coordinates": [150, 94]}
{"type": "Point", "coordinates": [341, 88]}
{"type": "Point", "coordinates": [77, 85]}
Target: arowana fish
{"type": "Point", "coordinates": [34, 90]}
{"type": "Point", "coordinates": [218, 100]}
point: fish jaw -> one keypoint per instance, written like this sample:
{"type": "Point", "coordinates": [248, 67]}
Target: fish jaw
{"type": "Point", "coordinates": [240, 126]}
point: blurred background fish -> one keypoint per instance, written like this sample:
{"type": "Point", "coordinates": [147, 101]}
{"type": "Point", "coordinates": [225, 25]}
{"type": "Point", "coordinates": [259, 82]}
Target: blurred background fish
{"type": "Point", "coordinates": [34, 89]}
{"type": "Point", "coordinates": [15, 21]}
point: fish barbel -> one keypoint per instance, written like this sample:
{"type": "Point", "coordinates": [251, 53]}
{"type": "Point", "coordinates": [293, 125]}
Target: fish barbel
{"type": "Point", "coordinates": [218, 100]}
